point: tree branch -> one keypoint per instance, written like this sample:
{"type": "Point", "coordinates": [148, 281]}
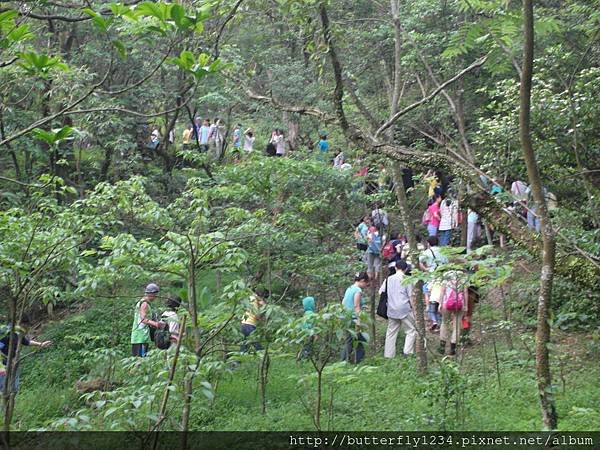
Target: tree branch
{"type": "Point", "coordinates": [435, 92]}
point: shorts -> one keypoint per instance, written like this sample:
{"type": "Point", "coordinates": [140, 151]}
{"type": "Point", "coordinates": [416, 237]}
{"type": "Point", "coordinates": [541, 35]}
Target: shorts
{"type": "Point", "coordinates": [373, 263]}
{"type": "Point", "coordinates": [362, 247]}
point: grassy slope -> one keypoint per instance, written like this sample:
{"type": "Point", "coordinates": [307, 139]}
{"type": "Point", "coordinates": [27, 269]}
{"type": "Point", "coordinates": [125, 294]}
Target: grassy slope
{"type": "Point", "coordinates": [394, 397]}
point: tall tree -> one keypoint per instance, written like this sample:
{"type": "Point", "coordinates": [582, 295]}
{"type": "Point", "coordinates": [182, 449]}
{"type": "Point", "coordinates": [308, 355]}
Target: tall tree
{"type": "Point", "coordinates": [548, 255]}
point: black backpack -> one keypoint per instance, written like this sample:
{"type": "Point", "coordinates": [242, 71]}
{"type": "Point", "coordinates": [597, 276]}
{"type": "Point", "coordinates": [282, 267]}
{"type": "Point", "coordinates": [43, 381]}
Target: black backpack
{"type": "Point", "coordinates": [383, 303]}
{"type": "Point", "coordinates": [162, 338]}
{"type": "Point", "coordinates": [271, 150]}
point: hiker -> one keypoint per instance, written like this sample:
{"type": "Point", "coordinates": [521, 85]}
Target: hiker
{"type": "Point", "coordinates": [519, 191]}
{"type": "Point", "coordinates": [308, 303]}
{"type": "Point", "coordinates": [380, 219]}
{"type": "Point", "coordinates": [472, 229]}
{"type": "Point", "coordinates": [248, 140]}
{"type": "Point", "coordinates": [433, 184]}
{"type": "Point", "coordinates": [361, 232]}
{"type": "Point", "coordinates": [204, 134]}
{"type": "Point", "coordinates": [323, 148]}
{"type": "Point", "coordinates": [433, 219]}
{"type": "Point", "coordinates": [237, 137]}
{"type": "Point", "coordinates": [196, 130]}
{"type": "Point", "coordinates": [217, 137]}
{"type": "Point", "coordinates": [142, 321]}
{"type": "Point", "coordinates": [338, 161]}
{"type": "Point", "coordinates": [455, 294]}
{"type": "Point", "coordinates": [154, 138]}
{"type": "Point", "coordinates": [279, 143]}
{"type": "Point", "coordinates": [374, 253]}
{"type": "Point", "coordinates": [353, 301]}
{"type": "Point", "coordinates": [399, 312]}
{"type": "Point", "coordinates": [429, 260]}
{"type": "Point", "coordinates": [171, 318]}
{"type": "Point", "coordinates": [448, 220]}
{"type": "Point", "coordinates": [392, 250]}
{"type": "Point", "coordinates": [187, 136]}
{"type": "Point", "coordinates": [467, 318]}
{"type": "Point", "coordinates": [9, 344]}
{"type": "Point", "coordinates": [252, 316]}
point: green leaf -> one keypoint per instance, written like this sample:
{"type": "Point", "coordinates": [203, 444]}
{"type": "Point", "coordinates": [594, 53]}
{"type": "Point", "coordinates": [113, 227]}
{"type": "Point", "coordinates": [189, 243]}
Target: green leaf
{"type": "Point", "coordinates": [118, 44]}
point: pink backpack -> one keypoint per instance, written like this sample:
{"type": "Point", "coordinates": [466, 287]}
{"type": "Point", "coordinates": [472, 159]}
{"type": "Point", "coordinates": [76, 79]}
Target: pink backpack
{"type": "Point", "coordinates": [454, 300]}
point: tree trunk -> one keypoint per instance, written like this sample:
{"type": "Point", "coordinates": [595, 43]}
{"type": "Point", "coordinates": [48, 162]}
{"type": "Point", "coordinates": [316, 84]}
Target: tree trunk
{"type": "Point", "coordinates": [417, 293]}
{"type": "Point", "coordinates": [542, 357]}
{"type": "Point", "coordinates": [187, 402]}
{"type": "Point", "coordinates": [192, 300]}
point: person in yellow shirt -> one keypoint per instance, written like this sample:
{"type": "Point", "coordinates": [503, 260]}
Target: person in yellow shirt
{"type": "Point", "coordinates": [433, 182]}
{"type": "Point", "coordinates": [251, 318]}
{"type": "Point", "coordinates": [187, 136]}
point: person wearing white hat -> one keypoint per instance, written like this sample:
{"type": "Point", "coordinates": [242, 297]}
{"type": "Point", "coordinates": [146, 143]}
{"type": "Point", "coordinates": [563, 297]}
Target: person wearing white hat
{"type": "Point", "coordinates": [142, 321]}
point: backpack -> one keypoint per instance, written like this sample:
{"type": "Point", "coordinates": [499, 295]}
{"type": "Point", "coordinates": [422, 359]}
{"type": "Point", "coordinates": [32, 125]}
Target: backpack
{"type": "Point", "coordinates": [271, 149]}
{"type": "Point", "coordinates": [162, 338]}
{"type": "Point", "coordinates": [426, 217]}
{"type": "Point", "coordinates": [454, 300]}
{"type": "Point", "coordinates": [383, 303]}
{"type": "Point", "coordinates": [388, 251]}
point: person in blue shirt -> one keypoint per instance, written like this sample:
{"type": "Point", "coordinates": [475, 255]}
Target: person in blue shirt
{"type": "Point", "coordinates": [323, 148]}
{"type": "Point", "coordinates": [374, 253]}
{"type": "Point", "coordinates": [204, 135]}
{"type": "Point", "coordinates": [309, 305]}
{"type": "Point", "coordinates": [354, 301]}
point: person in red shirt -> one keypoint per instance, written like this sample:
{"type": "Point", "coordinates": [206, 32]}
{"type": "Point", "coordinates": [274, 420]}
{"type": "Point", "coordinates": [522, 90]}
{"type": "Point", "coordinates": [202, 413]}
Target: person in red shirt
{"type": "Point", "coordinates": [434, 216]}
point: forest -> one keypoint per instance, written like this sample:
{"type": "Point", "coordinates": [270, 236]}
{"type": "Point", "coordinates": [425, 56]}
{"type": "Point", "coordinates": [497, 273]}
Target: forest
{"type": "Point", "coordinates": [317, 215]}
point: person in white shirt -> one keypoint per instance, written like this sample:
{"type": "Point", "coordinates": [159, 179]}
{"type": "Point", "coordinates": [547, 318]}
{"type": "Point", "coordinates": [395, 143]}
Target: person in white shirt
{"type": "Point", "coordinates": [380, 219]}
{"type": "Point", "coordinates": [519, 190]}
{"type": "Point", "coordinates": [249, 140]}
{"type": "Point", "coordinates": [448, 219]}
{"type": "Point", "coordinates": [171, 318]}
{"type": "Point", "coordinates": [399, 312]}
{"type": "Point", "coordinates": [279, 143]}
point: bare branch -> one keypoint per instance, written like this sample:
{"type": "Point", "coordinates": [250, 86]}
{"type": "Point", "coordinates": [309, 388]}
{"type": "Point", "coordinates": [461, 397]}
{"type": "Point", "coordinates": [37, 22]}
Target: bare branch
{"type": "Point", "coordinates": [435, 92]}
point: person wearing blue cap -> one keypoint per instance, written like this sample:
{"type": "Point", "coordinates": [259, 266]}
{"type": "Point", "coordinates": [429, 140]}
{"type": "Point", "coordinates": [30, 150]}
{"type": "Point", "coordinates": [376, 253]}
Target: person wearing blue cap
{"type": "Point", "coordinates": [142, 321]}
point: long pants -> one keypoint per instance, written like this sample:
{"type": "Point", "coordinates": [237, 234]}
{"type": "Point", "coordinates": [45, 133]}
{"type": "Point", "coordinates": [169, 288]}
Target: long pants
{"type": "Point", "coordinates": [444, 237]}
{"type": "Point", "coordinates": [139, 349]}
{"type": "Point", "coordinates": [471, 234]}
{"type": "Point", "coordinates": [532, 220]}
{"type": "Point", "coordinates": [433, 312]}
{"type": "Point", "coordinates": [247, 330]}
{"type": "Point", "coordinates": [432, 230]}
{"type": "Point", "coordinates": [408, 325]}
{"type": "Point", "coordinates": [15, 384]}
{"type": "Point", "coordinates": [450, 319]}
{"type": "Point", "coordinates": [349, 348]}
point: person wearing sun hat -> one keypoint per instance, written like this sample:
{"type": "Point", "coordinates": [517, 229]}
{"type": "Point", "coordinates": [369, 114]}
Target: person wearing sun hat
{"type": "Point", "coordinates": [142, 321]}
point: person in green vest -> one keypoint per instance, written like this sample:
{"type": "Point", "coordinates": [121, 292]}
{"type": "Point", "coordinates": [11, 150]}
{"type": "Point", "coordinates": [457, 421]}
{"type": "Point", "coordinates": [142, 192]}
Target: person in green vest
{"type": "Point", "coordinates": [142, 321]}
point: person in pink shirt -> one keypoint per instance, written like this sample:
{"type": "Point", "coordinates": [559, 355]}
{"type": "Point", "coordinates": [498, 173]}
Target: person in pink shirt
{"type": "Point", "coordinates": [434, 216]}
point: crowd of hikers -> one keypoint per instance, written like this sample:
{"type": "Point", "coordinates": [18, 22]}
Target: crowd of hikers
{"type": "Point", "coordinates": [210, 136]}
{"type": "Point", "coordinates": [448, 298]}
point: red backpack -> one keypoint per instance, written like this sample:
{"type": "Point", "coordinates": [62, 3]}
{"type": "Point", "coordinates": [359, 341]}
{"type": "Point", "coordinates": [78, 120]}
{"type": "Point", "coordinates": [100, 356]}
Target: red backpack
{"type": "Point", "coordinates": [388, 251]}
{"type": "Point", "coordinates": [454, 300]}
